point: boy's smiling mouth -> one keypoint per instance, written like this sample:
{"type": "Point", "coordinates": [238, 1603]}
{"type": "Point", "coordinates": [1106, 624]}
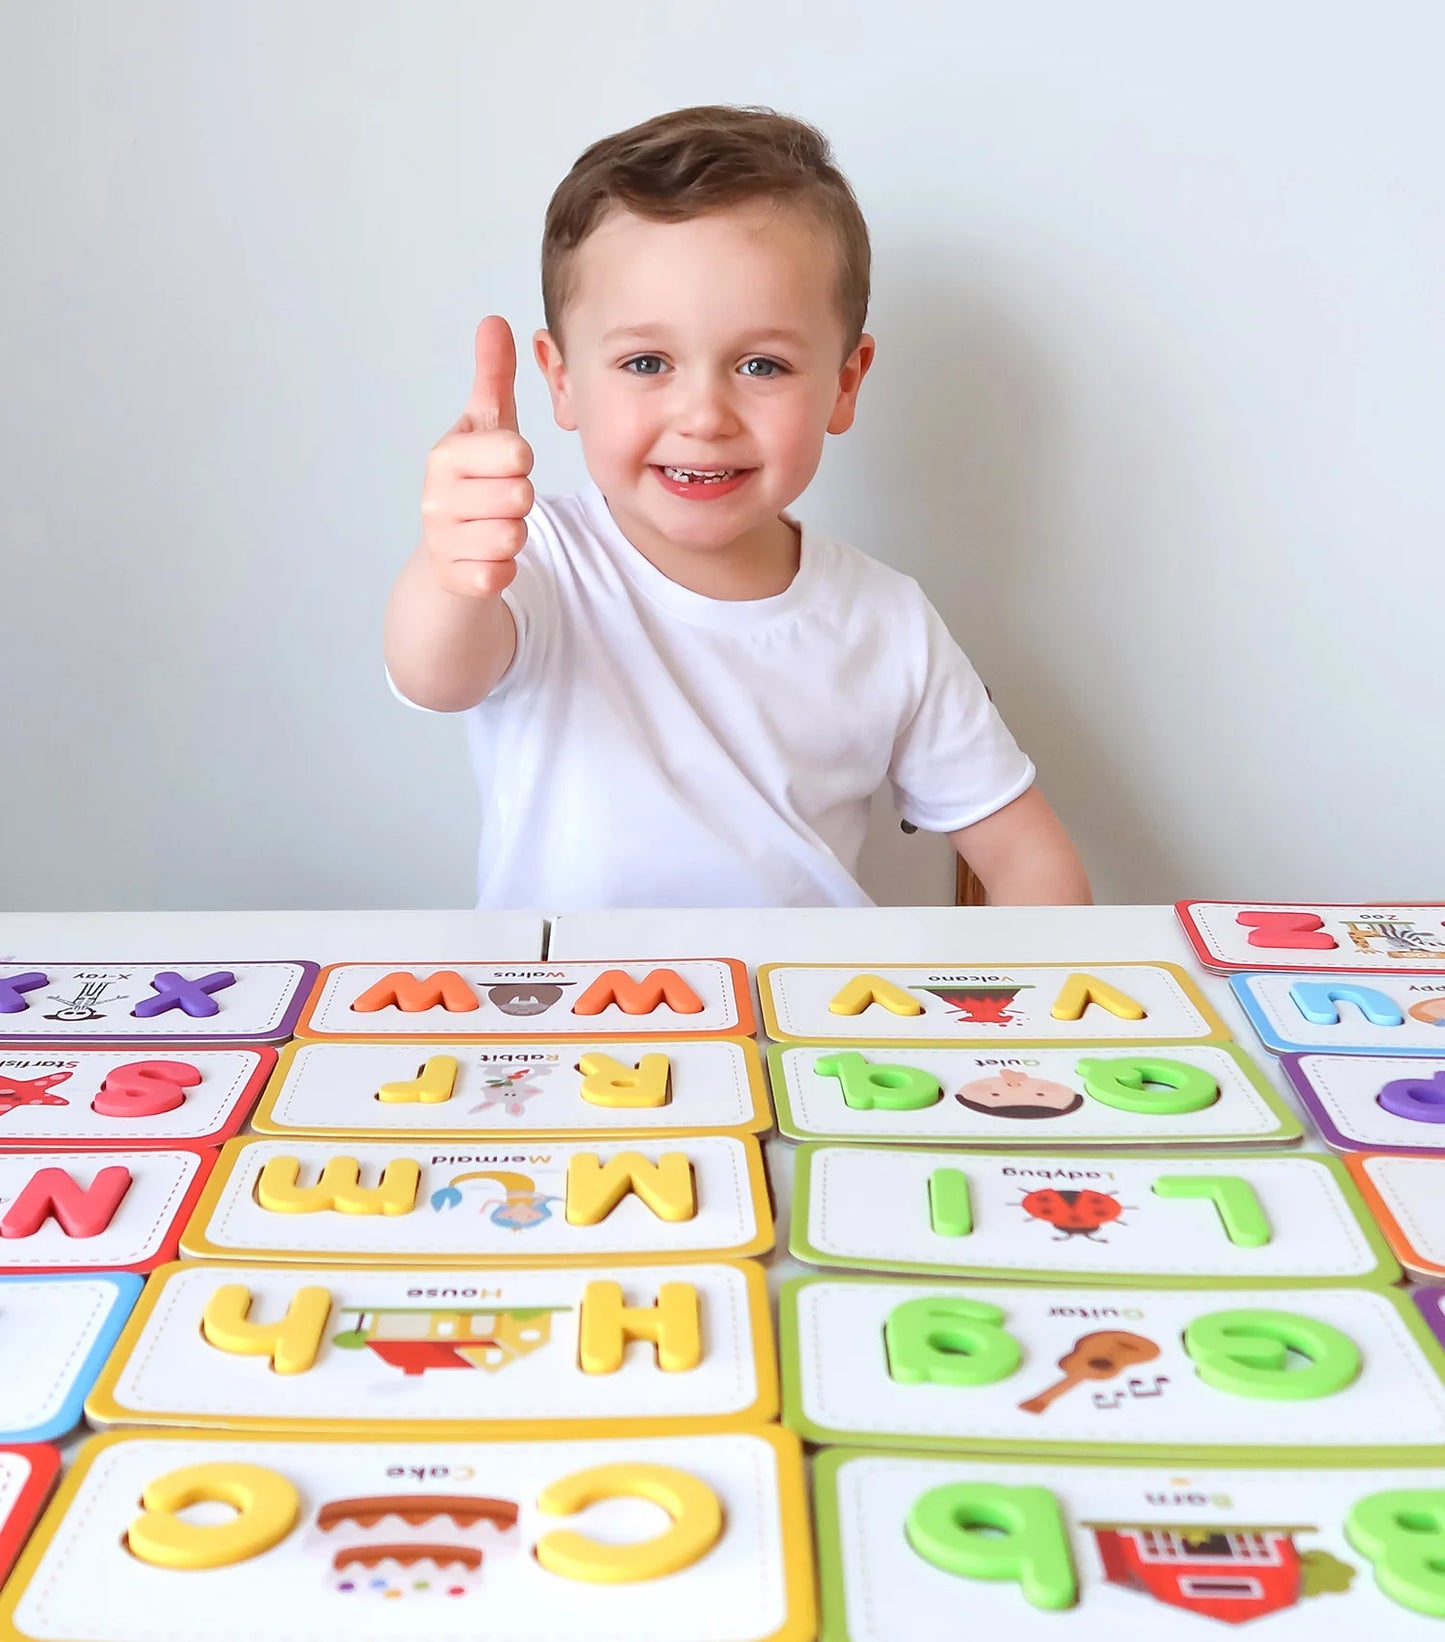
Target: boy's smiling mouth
{"type": "Point", "coordinates": [701, 482]}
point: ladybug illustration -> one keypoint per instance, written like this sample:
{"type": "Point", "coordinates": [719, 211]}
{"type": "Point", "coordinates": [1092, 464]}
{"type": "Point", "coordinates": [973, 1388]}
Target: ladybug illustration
{"type": "Point", "coordinates": [1072, 1213]}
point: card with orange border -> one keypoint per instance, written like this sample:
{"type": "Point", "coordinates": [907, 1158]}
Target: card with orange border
{"type": "Point", "coordinates": [675, 998]}
{"type": "Point", "coordinates": [28, 1473]}
{"type": "Point", "coordinates": [1407, 1196]}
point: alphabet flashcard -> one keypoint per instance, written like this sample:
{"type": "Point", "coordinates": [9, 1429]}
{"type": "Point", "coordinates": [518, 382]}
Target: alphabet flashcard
{"type": "Point", "coordinates": [97, 1211]}
{"type": "Point", "coordinates": [1373, 1103]}
{"type": "Point", "coordinates": [1265, 935]}
{"type": "Point", "coordinates": [54, 1003]}
{"type": "Point", "coordinates": [456, 1091]}
{"type": "Point", "coordinates": [55, 1334]}
{"type": "Point", "coordinates": [416, 1353]}
{"type": "Point", "coordinates": [1086, 1217]}
{"type": "Point", "coordinates": [181, 1537]}
{"type": "Point", "coordinates": [684, 1197]}
{"type": "Point", "coordinates": [907, 1543]}
{"type": "Point", "coordinates": [28, 1473]}
{"type": "Point", "coordinates": [1407, 1197]}
{"type": "Point", "coordinates": [685, 997]}
{"type": "Point", "coordinates": [1345, 1014]}
{"type": "Point", "coordinates": [986, 1004]}
{"type": "Point", "coordinates": [96, 1099]}
{"type": "Point", "coordinates": [1179, 1375]}
{"type": "Point", "coordinates": [1176, 1094]}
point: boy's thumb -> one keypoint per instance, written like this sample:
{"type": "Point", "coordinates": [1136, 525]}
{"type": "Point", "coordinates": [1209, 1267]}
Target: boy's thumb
{"type": "Point", "coordinates": [493, 401]}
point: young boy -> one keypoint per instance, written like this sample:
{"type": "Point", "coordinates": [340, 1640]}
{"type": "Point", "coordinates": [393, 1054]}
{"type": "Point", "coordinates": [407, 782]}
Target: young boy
{"type": "Point", "coordinates": [675, 693]}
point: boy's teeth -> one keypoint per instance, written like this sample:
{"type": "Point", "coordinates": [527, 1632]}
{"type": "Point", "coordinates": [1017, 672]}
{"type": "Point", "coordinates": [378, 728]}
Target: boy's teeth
{"type": "Point", "coordinates": [698, 475]}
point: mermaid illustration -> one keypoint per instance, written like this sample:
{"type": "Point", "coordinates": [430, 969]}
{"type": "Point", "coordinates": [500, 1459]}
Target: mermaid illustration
{"type": "Point", "coordinates": [521, 1206]}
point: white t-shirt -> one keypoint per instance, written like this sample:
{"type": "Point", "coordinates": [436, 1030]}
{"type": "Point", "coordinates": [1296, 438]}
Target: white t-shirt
{"type": "Point", "coordinates": [651, 747]}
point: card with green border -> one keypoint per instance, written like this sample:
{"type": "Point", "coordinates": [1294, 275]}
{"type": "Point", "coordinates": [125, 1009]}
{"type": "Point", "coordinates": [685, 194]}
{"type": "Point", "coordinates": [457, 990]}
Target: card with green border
{"type": "Point", "coordinates": [1032, 1551]}
{"type": "Point", "coordinates": [1174, 1094]}
{"type": "Point", "coordinates": [1290, 1376]}
{"type": "Point", "coordinates": [1078, 1217]}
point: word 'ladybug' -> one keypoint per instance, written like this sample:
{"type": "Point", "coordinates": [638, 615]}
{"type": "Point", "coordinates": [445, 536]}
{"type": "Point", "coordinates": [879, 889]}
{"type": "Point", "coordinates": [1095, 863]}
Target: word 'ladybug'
{"type": "Point", "coordinates": [1072, 1213]}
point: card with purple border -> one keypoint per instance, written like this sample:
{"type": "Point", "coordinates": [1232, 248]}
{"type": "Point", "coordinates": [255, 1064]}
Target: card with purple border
{"type": "Point", "coordinates": [42, 1002]}
{"type": "Point", "coordinates": [1431, 1302]}
{"type": "Point", "coordinates": [1372, 1103]}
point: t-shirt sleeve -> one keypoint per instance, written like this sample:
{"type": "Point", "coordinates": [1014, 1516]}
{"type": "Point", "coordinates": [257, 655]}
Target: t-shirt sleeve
{"type": "Point", "coordinates": [954, 761]}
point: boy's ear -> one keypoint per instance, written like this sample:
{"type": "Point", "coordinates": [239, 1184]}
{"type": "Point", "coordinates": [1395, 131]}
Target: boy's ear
{"type": "Point", "coordinates": [850, 379]}
{"type": "Point", "coordinates": [548, 352]}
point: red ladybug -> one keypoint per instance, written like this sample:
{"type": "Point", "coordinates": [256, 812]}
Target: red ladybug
{"type": "Point", "coordinates": [1073, 1213]}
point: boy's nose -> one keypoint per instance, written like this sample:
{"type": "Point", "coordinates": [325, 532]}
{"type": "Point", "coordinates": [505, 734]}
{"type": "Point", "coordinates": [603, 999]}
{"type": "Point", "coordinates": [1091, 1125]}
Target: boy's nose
{"type": "Point", "coordinates": [706, 411]}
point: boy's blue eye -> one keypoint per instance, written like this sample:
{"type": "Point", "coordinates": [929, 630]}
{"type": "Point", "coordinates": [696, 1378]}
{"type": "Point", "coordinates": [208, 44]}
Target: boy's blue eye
{"type": "Point", "coordinates": [762, 369]}
{"type": "Point", "coordinates": [644, 364]}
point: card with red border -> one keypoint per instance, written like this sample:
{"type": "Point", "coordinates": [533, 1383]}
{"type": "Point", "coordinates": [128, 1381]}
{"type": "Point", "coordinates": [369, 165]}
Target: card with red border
{"type": "Point", "coordinates": [1302, 935]}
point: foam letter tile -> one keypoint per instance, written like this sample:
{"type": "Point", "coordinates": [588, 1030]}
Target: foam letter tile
{"type": "Point", "coordinates": [416, 1353]}
{"type": "Point", "coordinates": [1283, 935]}
{"type": "Point", "coordinates": [153, 1003]}
{"type": "Point", "coordinates": [1179, 1094]}
{"type": "Point", "coordinates": [417, 1002]}
{"type": "Point", "coordinates": [456, 1091]}
{"type": "Point", "coordinates": [986, 1005]}
{"type": "Point", "coordinates": [1372, 1103]}
{"type": "Point", "coordinates": [548, 1203]}
{"type": "Point", "coordinates": [1345, 1014]}
{"type": "Point", "coordinates": [95, 1211]}
{"type": "Point", "coordinates": [1407, 1197]}
{"type": "Point", "coordinates": [28, 1473]}
{"type": "Point", "coordinates": [55, 1333]}
{"type": "Point", "coordinates": [1290, 1376]}
{"type": "Point", "coordinates": [1088, 1218]}
{"type": "Point", "coordinates": [94, 1099]}
{"type": "Point", "coordinates": [647, 1538]}
{"type": "Point", "coordinates": [1034, 1551]}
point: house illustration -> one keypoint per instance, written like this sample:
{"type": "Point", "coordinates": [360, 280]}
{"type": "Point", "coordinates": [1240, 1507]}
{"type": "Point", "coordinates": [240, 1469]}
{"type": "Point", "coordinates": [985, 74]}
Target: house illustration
{"type": "Point", "coordinates": [1232, 1574]}
{"type": "Point", "coordinates": [416, 1338]}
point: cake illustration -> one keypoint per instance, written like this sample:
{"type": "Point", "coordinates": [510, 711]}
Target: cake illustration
{"type": "Point", "coordinates": [395, 1545]}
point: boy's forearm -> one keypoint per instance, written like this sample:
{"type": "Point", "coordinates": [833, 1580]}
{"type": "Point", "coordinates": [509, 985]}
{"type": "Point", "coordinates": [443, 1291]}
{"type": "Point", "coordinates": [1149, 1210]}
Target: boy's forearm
{"type": "Point", "coordinates": [1024, 857]}
{"type": "Point", "coordinates": [443, 650]}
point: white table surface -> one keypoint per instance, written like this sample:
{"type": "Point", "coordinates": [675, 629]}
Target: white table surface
{"type": "Point", "coordinates": [322, 937]}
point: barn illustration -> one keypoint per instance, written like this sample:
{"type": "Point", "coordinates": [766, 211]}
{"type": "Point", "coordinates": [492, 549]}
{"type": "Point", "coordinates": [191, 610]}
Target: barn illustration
{"type": "Point", "coordinates": [417, 1338]}
{"type": "Point", "coordinates": [1233, 1574]}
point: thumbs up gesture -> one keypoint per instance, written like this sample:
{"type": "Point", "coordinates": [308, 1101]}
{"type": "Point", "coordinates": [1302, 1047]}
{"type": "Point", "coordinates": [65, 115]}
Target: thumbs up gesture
{"type": "Point", "coordinates": [477, 495]}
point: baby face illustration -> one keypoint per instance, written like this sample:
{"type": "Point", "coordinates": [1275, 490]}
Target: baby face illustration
{"type": "Point", "coordinates": [1014, 1094]}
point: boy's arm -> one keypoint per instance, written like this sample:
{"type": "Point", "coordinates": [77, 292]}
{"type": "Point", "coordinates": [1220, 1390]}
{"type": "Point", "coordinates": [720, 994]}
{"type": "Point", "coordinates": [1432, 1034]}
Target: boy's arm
{"type": "Point", "coordinates": [1023, 855]}
{"type": "Point", "coordinates": [449, 635]}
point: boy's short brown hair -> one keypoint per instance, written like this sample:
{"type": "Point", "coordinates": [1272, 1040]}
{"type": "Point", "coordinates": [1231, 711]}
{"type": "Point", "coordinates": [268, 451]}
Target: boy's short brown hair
{"type": "Point", "coordinates": [696, 160]}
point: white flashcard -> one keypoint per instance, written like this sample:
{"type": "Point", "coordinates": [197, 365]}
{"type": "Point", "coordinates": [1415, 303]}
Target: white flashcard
{"type": "Point", "coordinates": [1372, 1103]}
{"type": "Point", "coordinates": [1345, 1014]}
{"type": "Point", "coordinates": [55, 1333]}
{"type": "Point", "coordinates": [451, 1090]}
{"type": "Point", "coordinates": [1398, 940]}
{"type": "Point", "coordinates": [90, 1211]}
{"type": "Point", "coordinates": [101, 1098]}
{"type": "Point", "coordinates": [1177, 1094]}
{"type": "Point", "coordinates": [1086, 1218]}
{"type": "Point", "coordinates": [635, 1539]}
{"type": "Point", "coordinates": [985, 1004]}
{"type": "Point", "coordinates": [218, 1002]}
{"type": "Point", "coordinates": [684, 997]}
{"type": "Point", "coordinates": [1407, 1195]}
{"type": "Point", "coordinates": [321, 1350]}
{"type": "Point", "coordinates": [687, 1197]}
{"type": "Point", "coordinates": [1126, 1552]}
{"type": "Point", "coordinates": [1175, 1375]}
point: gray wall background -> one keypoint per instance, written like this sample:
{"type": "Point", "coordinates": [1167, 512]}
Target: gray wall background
{"type": "Point", "coordinates": [1156, 416]}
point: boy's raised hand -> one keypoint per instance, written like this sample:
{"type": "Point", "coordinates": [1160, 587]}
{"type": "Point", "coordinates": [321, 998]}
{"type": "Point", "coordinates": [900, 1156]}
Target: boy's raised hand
{"type": "Point", "coordinates": [477, 495]}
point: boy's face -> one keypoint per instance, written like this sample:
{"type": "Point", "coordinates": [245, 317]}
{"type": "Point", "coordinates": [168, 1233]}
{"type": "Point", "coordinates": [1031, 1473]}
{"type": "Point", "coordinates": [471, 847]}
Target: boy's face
{"type": "Point", "coordinates": [704, 363]}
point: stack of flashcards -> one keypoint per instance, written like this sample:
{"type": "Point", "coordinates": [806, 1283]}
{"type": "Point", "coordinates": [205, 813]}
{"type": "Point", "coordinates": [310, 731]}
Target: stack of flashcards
{"type": "Point", "coordinates": [1352, 1001]}
{"type": "Point", "coordinates": [470, 1319]}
